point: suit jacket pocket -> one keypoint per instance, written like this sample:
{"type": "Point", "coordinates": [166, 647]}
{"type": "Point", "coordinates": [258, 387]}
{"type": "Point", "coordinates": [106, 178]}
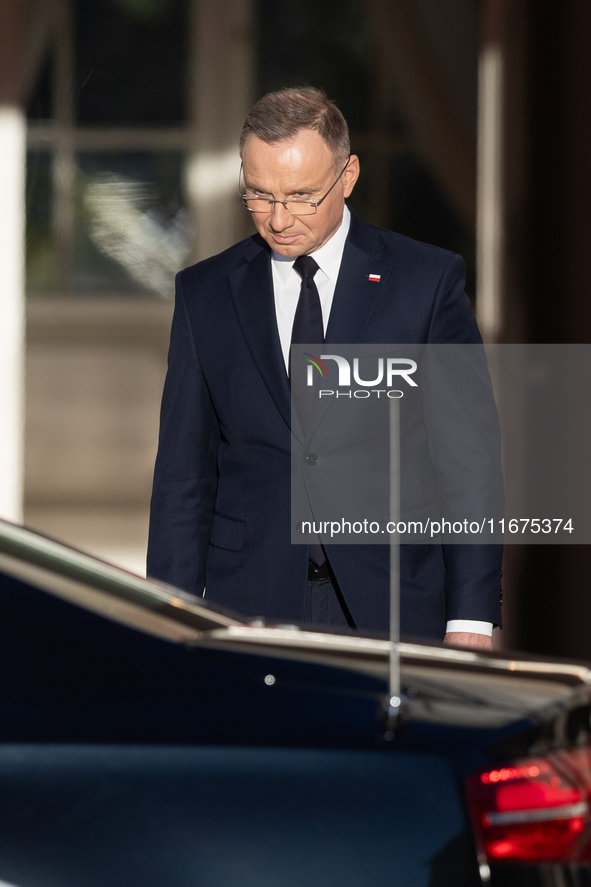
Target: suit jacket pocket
{"type": "Point", "coordinates": [227, 532]}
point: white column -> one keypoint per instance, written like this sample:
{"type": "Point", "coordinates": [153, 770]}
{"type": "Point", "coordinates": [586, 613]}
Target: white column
{"type": "Point", "coordinates": [220, 95]}
{"type": "Point", "coordinates": [12, 190]}
{"type": "Point", "coordinates": [490, 212]}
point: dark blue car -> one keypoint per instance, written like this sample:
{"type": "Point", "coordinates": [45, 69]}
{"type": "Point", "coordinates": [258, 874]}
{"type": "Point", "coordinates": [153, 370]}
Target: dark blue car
{"type": "Point", "coordinates": [150, 740]}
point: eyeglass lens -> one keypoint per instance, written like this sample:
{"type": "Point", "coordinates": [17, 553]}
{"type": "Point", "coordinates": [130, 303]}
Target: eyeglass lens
{"type": "Point", "coordinates": [295, 207]}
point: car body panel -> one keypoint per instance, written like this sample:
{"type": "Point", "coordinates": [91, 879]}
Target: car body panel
{"type": "Point", "coordinates": [88, 815]}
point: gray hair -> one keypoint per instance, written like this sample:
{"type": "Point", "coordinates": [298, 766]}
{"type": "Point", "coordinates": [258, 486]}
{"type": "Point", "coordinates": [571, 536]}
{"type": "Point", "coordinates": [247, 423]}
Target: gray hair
{"type": "Point", "coordinates": [281, 115]}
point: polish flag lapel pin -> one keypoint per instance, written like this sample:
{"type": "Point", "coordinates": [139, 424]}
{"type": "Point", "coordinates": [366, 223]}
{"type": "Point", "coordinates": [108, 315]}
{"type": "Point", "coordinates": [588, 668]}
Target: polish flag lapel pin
{"type": "Point", "coordinates": [375, 278]}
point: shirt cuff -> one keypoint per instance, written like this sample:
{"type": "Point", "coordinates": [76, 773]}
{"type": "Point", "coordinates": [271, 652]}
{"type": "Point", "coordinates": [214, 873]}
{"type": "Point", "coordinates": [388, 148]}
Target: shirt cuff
{"type": "Point", "coordinates": [470, 625]}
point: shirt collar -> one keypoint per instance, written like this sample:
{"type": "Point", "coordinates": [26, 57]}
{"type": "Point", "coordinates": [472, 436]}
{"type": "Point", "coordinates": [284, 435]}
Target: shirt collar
{"type": "Point", "coordinates": [328, 257]}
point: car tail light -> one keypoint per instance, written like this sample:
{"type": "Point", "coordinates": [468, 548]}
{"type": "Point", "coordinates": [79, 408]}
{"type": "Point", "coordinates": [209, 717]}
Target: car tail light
{"type": "Point", "coordinates": [533, 810]}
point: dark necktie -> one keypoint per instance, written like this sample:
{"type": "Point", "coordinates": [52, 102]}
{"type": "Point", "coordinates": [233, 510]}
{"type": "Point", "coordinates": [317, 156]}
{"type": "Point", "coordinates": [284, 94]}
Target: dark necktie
{"type": "Point", "coordinates": [307, 324]}
{"type": "Point", "coordinates": [307, 329]}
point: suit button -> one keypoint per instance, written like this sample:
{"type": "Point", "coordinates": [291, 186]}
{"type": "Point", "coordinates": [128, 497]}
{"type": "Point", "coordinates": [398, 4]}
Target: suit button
{"type": "Point", "coordinates": [311, 458]}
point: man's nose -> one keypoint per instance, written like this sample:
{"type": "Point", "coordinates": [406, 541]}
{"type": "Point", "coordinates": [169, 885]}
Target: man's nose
{"type": "Point", "coordinates": [281, 218]}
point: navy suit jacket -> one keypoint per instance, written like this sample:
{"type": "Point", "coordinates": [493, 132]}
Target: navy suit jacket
{"type": "Point", "coordinates": [220, 510]}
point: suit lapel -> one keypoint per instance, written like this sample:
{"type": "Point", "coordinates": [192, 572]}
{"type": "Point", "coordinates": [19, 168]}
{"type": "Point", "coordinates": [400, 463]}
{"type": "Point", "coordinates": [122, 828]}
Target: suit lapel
{"type": "Point", "coordinates": [355, 295]}
{"type": "Point", "coordinates": [355, 298]}
{"type": "Point", "coordinates": [251, 285]}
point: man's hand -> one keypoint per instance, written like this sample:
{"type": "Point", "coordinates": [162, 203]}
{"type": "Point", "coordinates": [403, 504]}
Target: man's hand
{"type": "Point", "coordinates": [468, 639]}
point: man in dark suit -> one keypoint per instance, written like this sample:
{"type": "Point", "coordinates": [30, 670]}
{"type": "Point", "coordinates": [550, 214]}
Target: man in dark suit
{"type": "Point", "coordinates": [220, 514]}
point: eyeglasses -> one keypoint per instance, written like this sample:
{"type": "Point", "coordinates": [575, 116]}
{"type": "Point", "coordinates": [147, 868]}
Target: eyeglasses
{"type": "Point", "coordinates": [296, 206]}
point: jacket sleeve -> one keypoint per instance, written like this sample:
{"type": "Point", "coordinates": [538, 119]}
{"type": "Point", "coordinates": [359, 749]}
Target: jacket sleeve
{"type": "Point", "coordinates": [464, 442]}
{"type": "Point", "coordinates": [185, 475]}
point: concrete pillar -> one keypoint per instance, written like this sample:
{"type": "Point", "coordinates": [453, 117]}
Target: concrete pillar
{"type": "Point", "coordinates": [221, 91]}
{"type": "Point", "coordinates": [12, 189]}
{"type": "Point", "coordinates": [490, 202]}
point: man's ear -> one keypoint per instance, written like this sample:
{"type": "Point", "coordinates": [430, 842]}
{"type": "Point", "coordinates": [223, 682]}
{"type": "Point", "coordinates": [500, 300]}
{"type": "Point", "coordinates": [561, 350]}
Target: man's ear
{"type": "Point", "coordinates": [351, 175]}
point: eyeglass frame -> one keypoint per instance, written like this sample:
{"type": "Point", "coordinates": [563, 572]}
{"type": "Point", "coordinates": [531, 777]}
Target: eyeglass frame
{"type": "Point", "coordinates": [272, 200]}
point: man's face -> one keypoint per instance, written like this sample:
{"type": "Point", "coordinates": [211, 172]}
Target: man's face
{"type": "Point", "coordinates": [303, 166]}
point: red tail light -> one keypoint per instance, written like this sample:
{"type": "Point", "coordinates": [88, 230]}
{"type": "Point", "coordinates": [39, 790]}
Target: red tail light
{"type": "Point", "coordinates": [534, 810]}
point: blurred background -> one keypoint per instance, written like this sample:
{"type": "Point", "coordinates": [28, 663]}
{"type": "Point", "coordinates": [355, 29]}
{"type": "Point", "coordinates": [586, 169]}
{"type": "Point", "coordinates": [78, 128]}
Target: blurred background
{"type": "Point", "coordinates": [118, 166]}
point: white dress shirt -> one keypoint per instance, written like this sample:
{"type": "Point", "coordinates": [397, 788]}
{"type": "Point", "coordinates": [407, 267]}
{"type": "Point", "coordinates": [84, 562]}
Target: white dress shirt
{"type": "Point", "coordinates": [286, 289]}
{"type": "Point", "coordinates": [287, 282]}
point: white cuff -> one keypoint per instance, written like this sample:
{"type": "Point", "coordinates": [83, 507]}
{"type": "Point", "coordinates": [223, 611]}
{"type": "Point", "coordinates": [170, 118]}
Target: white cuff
{"type": "Point", "coordinates": [470, 625]}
